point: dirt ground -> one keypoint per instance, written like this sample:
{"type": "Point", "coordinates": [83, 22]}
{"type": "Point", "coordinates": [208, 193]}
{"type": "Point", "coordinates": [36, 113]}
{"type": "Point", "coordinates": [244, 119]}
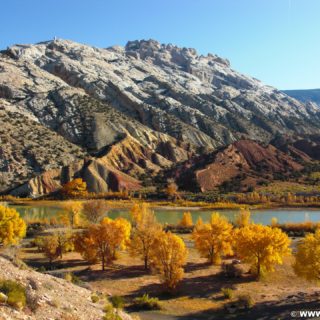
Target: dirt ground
{"type": "Point", "coordinates": [199, 293]}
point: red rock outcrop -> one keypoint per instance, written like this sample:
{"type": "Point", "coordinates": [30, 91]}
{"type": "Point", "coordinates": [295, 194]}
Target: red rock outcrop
{"type": "Point", "coordinates": [245, 160]}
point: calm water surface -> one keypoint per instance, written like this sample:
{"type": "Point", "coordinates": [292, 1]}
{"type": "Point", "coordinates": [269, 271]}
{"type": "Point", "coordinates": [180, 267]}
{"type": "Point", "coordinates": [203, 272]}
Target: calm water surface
{"type": "Point", "coordinates": [172, 216]}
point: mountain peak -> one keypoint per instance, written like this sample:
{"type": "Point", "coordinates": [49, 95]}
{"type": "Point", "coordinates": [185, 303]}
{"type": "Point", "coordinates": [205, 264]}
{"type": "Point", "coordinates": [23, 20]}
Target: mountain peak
{"type": "Point", "coordinates": [182, 56]}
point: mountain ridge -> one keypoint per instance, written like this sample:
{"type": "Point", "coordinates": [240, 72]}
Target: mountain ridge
{"type": "Point", "coordinates": [173, 102]}
{"type": "Point", "coordinates": [305, 95]}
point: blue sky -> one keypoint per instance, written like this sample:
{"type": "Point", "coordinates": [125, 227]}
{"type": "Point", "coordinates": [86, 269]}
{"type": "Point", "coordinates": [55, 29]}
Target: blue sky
{"type": "Point", "coordinates": [276, 41]}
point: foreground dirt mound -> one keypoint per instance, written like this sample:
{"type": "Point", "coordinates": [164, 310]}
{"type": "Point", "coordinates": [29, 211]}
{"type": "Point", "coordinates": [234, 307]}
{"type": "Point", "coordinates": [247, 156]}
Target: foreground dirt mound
{"type": "Point", "coordinates": [49, 297]}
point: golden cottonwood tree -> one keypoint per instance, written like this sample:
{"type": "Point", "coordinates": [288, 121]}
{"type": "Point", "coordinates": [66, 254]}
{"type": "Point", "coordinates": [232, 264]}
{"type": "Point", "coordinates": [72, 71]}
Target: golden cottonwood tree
{"type": "Point", "coordinates": [85, 244]}
{"type": "Point", "coordinates": [172, 190]}
{"type": "Point", "coordinates": [55, 245]}
{"type": "Point", "coordinates": [71, 214]}
{"type": "Point", "coordinates": [76, 188]}
{"type": "Point", "coordinates": [145, 230]}
{"type": "Point", "coordinates": [243, 218]}
{"type": "Point", "coordinates": [213, 239]}
{"type": "Point", "coordinates": [49, 247]}
{"type": "Point", "coordinates": [199, 223]}
{"type": "Point", "coordinates": [307, 263]}
{"type": "Point", "coordinates": [101, 241]}
{"type": "Point", "coordinates": [168, 257]}
{"type": "Point", "coordinates": [137, 211]}
{"type": "Point", "coordinates": [94, 210]}
{"type": "Point", "coordinates": [261, 246]}
{"type": "Point", "coordinates": [12, 227]}
{"type": "Point", "coordinates": [186, 220]}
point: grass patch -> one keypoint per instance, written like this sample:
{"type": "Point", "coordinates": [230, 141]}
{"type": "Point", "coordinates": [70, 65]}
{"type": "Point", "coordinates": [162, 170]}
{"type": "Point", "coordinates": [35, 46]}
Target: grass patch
{"type": "Point", "coordinates": [245, 301]}
{"type": "Point", "coordinates": [146, 303]}
{"type": "Point", "coordinates": [227, 293]}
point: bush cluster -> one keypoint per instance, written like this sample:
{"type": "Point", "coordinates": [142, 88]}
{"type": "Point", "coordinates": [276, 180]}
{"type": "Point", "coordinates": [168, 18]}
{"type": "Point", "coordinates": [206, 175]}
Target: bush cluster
{"type": "Point", "coordinates": [146, 303]}
{"type": "Point", "coordinates": [15, 292]}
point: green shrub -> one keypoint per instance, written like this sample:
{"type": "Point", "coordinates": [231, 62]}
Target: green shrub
{"type": "Point", "coordinates": [110, 313]}
{"type": "Point", "coordinates": [245, 301]}
{"type": "Point", "coordinates": [42, 269]}
{"type": "Point", "coordinates": [70, 277]}
{"type": "Point", "coordinates": [117, 302]}
{"type": "Point", "coordinates": [15, 292]}
{"type": "Point", "coordinates": [227, 293]}
{"type": "Point", "coordinates": [94, 298]}
{"type": "Point", "coordinates": [146, 303]}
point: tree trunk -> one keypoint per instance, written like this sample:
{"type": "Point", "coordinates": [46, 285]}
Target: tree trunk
{"type": "Point", "coordinates": [103, 263]}
{"type": "Point", "coordinates": [146, 263]}
{"type": "Point", "coordinates": [258, 268]}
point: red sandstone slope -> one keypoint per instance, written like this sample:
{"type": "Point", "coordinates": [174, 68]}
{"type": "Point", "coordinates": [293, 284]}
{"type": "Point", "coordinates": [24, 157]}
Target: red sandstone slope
{"type": "Point", "coordinates": [246, 161]}
{"type": "Point", "coordinates": [119, 169]}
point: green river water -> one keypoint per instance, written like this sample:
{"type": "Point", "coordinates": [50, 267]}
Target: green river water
{"type": "Point", "coordinates": [172, 216]}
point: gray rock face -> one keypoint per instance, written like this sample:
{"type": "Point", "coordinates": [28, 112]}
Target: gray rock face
{"type": "Point", "coordinates": [158, 94]}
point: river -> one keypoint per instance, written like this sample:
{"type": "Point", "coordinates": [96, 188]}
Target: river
{"type": "Point", "coordinates": [172, 216]}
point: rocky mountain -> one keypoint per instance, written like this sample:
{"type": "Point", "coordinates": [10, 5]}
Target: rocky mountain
{"type": "Point", "coordinates": [305, 96]}
{"type": "Point", "coordinates": [110, 115]}
{"type": "Point", "coordinates": [242, 165]}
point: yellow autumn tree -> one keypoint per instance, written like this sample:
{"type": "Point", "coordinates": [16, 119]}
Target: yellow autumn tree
{"type": "Point", "coordinates": [137, 211]}
{"type": "Point", "coordinates": [274, 222]}
{"type": "Point", "coordinates": [261, 246]}
{"type": "Point", "coordinates": [71, 215]}
{"type": "Point", "coordinates": [172, 190]}
{"type": "Point", "coordinates": [49, 247]}
{"type": "Point", "coordinates": [76, 188]}
{"type": "Point", "coordinates": [145, 230]}
{"type": "Point", "coordinates": [307, 262]}
{"type": "Point", "coordinates": [101, 241]}
{"type": "Point", "coordinates": [168, 256]}
{"type": "Point", "coordinates": [186, 220]}
{"type": "Point", "coordinates": [199, 223]}
{"type": "Point", "coordinates": [94, 210]}
{"type": "Point", "coordinates": [213, 239]}
{"type": "Point", "coordinates": [55, 245]}
{"type": "Point", "coordinates": [243, 218]}
{"type": "Point", "coordinates": [12, 227]}
{"type": "Point", "coordinates": [85, 244]}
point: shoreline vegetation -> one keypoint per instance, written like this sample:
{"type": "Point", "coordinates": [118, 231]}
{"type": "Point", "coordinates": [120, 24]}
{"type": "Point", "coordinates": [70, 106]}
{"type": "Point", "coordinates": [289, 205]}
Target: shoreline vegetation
{"type": "Point", "coordinates": [282, 195]}
{"type": "Point", "coordinates": [168, 205]}
{"type": "Point", "coordinates": [293, 229]}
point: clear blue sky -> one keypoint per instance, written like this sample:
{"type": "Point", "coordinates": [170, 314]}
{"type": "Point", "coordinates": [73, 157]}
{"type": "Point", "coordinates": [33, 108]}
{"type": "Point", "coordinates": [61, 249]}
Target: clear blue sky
{"type": "Point", "coordinates": [276, 41]}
